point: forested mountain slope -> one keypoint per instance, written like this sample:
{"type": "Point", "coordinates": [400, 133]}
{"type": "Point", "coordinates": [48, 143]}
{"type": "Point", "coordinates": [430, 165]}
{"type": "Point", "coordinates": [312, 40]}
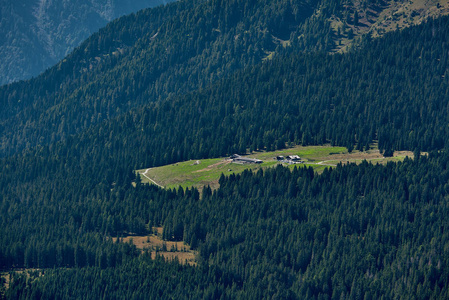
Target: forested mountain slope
{"type": "Point", "coordinates": [143, 58]}
{"type": "Point", "coordinates": [378, 92]}
{"type": "Point", "coordinates": [351, 21]}
{"type": "Point", "coordinates": [354, 231]}
{"type": "Point", "coordinates": [36, 34]}
{"type": "Point", "coordinates": [392, 91]}
{"type": "Point", "coordinates": [163, 52]}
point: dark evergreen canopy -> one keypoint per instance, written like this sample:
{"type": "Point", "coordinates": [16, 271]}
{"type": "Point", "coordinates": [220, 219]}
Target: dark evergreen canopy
{"type": "Point", "coordinates": [194, 83]}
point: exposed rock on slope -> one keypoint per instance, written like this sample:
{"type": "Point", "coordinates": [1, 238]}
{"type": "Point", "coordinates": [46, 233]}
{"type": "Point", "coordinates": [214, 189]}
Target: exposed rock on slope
{"type": "Point", "coordinates": [377, 17]}
{"type": "Point", "coordinates": [36, 34]}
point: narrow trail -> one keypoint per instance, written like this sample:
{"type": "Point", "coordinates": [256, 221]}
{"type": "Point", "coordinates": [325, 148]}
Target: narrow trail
{"type": "Point", "coordinates": [324, 163]}
{"type": "Point", "coordinates": [208, 168]}
{"type": "Point", "coordinates": [145, 175]}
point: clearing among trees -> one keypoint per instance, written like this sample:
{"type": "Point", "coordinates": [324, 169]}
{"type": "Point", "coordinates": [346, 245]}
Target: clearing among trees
{"type": "Point", "coordinates": [190, 173]}
{"type": "Point", "coordinates": [157, 246]}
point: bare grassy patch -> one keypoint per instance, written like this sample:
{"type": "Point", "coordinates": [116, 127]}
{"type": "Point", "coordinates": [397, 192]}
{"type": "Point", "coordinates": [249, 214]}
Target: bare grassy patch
{"type": "Point", "coordinates": [7, 275]}
{"type": "Point", "coordinates": [157, 246]}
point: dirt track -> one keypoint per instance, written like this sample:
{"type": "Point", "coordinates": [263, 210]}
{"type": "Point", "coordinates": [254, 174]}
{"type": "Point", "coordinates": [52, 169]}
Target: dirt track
{"type": "Point", "coordinates": [208, 168]}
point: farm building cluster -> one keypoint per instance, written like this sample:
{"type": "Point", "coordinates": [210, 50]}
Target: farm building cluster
{"type": "Point", "coordinates": [291, 159]}
{"type": "Point", "coordinates": [244, 160]}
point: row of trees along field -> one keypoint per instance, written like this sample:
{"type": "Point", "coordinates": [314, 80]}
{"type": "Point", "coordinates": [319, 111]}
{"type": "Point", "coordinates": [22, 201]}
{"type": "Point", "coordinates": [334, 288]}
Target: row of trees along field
{"type": "Point", "coordinates": [355, 231]}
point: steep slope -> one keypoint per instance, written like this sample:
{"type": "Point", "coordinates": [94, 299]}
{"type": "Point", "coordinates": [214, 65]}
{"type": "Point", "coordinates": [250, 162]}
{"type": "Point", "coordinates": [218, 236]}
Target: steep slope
{"type": "Point", "coordinates": [37, 34]}
{"type": "Point", "coordinates": [171, 50]}
{"type": "Point", "coordinates": [352, 232]}
{"type": "Point", "coordinates": [392, 91]}
{"type": "Point", "coordinates": [143, 58]}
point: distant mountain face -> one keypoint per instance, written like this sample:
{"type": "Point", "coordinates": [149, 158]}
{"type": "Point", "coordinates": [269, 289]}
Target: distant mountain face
{"type": "Point", "coordinates": [36, 34]}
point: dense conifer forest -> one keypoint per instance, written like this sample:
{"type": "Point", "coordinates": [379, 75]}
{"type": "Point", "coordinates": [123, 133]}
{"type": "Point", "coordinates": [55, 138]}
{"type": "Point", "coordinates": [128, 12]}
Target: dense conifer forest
{"type": "Point", "coordinates": [354, 232]}
{"type": "Point", "coordinates": [128, 99]}
{"type": "Point", "coordinates": [146, 57]}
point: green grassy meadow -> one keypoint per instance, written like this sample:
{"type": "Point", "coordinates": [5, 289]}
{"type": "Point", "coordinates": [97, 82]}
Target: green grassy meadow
{"type": "Point", "coordinates": [198, 173]}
